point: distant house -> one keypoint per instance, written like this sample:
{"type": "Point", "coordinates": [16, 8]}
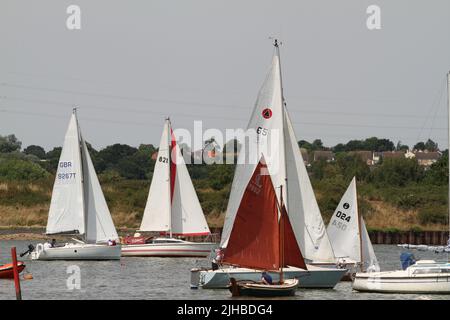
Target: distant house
{"type": "Point", "coordinates": [393, 154]}
{"type": "Point", "coordinates": [305, 156]}
{"type": "Point", "coordinates": [323, 155]}
{"type": "Point", "coordinates": [376, 157]}
{"type": "Point", "coordinates": [366, 156]}
{"type": "Point", "coordinates": [427, 158]}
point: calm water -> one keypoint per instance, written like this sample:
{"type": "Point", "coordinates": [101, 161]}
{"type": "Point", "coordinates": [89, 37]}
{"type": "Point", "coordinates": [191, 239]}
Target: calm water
{"type": "Point", "coordinates": [162, 278]}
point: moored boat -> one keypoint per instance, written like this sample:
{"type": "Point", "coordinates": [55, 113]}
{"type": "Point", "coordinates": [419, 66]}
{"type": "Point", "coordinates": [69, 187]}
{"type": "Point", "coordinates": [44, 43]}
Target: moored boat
{"type": "Point", "coordinates": [7, 270]}
{"type": "Point", "coordinates": [78, 207]}
{"type": "Point", "coordinates": [256, 289]}
{"type": "Point", "coordinates": [172, 210]}
{"type": "Point", "coordinates": [426, 276]}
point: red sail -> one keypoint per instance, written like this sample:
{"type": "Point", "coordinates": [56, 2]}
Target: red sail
{"type": "Point", "coordinates": [173, 164]}
{"type": "Point", "coordinates": [254, 239]}
{"type": "Point", "coordinates": [292, 254]}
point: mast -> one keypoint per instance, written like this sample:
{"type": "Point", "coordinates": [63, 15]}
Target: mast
{"type": "Point", "coordinates": [359, 228]}
{"type": "Point", "coordinates": [448, 103]}
{"type": "Point", "coordinates": [169, 144]}
{"type": "Point", "coordinates": [281, 235]}
{"type": "Point", "coordinates": [74, 110]}
{"type": "Point", "coordinates": [283, 107]}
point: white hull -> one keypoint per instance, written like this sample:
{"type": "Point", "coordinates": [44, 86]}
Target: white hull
{"type": "Point", "coordinates": [418, 278]}
{"type": "Point", "coordinates": [425, 284]}
{"type": "Point", "coordinates": [181, 249]}
{"type": "Point", "coordinates": [314, 277]}
{"type": "Point", "coordinates": [77, 251]}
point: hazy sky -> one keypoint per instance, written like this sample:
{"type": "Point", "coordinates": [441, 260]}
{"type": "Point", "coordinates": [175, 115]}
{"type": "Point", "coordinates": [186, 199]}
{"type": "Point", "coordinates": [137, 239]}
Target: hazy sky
{"type": "Point", "coordinates": [135, 62]}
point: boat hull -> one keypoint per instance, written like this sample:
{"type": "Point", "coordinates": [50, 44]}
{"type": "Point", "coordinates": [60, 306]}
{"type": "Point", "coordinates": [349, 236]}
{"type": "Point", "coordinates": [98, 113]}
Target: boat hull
{"type": "Point", "coordinates": [389, 283]}
{"type": "Point", "coordinates": [7, 271]}
{"type": "Point", "coordinates": [77, 251]}
{"type": "Point", "coordinates": [263, 290]}
{"type": "Point", "coordinates": [314, 277]}
{"type": "Point", "coordinates": [183, 249]}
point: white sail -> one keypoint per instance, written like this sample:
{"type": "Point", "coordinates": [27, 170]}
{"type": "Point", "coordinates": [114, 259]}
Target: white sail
{"type": "Point", "coordinates": [187, 214]}
{"type": "Point", "coordinates": [343, 228]}
{"type": "Point", "coordinates": [267, 121]}
{"type": "Point", "coordinates": [66, 212]}
{"type": "Point", "coordinates": [303, 210]}
{"type": "Point", "coordinates": [99, 223]}
{"type": "Point", "coordinates": [369, 260]}
{"type": "Point", "coordinates": [172, 204]}
{"type": "Point", "coordinates": [157, 210]}
{"type": "Point", "coordinates": [348, 233]}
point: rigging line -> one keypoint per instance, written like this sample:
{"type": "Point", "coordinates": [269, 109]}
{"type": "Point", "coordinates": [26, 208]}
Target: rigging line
{"type": "Point", "coordinates": [93, 94]}
{"type": "Point", "coordinates": [146, 124]}
{"type": "Point", "coordinates": [197, 104]}
{"type": "Point", "coordinates": [141, 110]}
{"type": "Point", "coordinates": [438, 104]}
{"type": "Point", "coordinates": [429, 111]}
{"type": "Point", "coordinates": [322, 124]}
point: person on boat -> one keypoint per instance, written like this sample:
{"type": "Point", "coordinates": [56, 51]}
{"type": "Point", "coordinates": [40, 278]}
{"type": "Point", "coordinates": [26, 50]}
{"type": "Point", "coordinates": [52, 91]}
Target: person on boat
{"type": "Point", "coordinates": [47, 245]}
{"type": "Point", "coordinates": [217, 260]}
{"type": "Point", "coordinates": [53, 243]}
{"type": "Point", "coordinates": [266, 278]}
{"type": "Point", "coordinates": [407, 259]}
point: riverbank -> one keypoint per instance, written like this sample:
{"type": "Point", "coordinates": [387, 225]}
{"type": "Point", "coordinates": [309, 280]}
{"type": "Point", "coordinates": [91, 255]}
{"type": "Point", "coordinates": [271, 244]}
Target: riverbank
{"type": "Point", "coordinates": [376, 236]}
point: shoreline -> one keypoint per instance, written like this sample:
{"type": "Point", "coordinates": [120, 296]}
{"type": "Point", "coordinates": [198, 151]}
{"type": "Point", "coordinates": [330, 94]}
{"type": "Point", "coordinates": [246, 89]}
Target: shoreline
{"type": "Point", "coordinates": [36, 233]}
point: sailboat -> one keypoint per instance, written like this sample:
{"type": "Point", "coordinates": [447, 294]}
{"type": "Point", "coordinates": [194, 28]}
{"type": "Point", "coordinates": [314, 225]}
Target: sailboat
{"type": "Point", "coordinates": [275, 139]}
{"type": "Point", "coordinates": [348, 235]}
{"type": "Point", "coordinates": [262, 245]}
{"type": "Point", "coordinates": [425, 276]}
{"type": "Point", "coordinates": [78, 207]}
{"type": "Point", "coordinates": [173, 209]}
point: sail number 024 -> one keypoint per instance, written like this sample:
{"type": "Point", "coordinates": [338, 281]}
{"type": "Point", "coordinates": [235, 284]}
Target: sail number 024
{"type": "Point", "coordinates": [343, 216]}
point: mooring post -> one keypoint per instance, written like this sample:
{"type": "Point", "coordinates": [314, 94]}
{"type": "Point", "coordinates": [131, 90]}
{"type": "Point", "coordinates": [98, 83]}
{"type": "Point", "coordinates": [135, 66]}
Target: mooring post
{"type": "Point", "coordinates": [16, 274]}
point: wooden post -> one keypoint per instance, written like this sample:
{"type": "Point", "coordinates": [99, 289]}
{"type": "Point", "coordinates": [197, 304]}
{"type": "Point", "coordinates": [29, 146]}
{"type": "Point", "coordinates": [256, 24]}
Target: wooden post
{"type": "Point", "coordinates": [16, 274]}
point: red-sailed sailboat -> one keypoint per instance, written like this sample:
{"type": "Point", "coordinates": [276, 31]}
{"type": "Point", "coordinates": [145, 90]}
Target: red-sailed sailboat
{"type": "Point", "coordinates": [262, 238]}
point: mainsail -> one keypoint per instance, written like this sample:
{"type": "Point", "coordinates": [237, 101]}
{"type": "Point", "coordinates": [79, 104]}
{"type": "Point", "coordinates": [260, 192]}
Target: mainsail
{"type": "Point", "coordinates": [255, 239]}
{"type": "Point", "coordinates": [348, 233]}
{"type": "Point", "coordinates": [275, 140]}
{"type": "Point", "coordinates": [78, 204]}
{"type": "Point", "coordinates": [66, 212]}
{"type": "Point", "coordinates": [172, 205]}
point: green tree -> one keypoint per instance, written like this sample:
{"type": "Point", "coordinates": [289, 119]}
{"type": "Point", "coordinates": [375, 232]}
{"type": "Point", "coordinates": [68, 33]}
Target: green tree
{"type": "Point", "coordinates": [38, 151]}
{"type": "Point", "coordinates": [9, 144]}
{"type": "Point", "coordinates": [14, 169]}
{"type": "Point", "coordinates": [430, 145]}
{"type": "Point", "coordinates": [397, 172]}
{"type": "Point", "coordinates": [352, 166]}
{"type": "Point", "coordinates": [419, 146]}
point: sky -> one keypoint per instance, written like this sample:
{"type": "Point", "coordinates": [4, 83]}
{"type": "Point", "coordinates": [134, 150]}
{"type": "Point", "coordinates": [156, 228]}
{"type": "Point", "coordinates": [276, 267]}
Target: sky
{"type": "Point", "coordinates": [133, 63]}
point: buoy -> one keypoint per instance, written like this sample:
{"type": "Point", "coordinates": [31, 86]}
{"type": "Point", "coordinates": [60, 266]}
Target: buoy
{"type": "Point", "coordinates": [28, 276]}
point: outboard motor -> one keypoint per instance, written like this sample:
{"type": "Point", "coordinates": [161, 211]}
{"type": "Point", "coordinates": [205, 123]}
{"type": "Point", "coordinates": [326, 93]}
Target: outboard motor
{"type": "Point", "coordinates": [407, 259]}
{"type": "Point", "coordinates": [30, 249]}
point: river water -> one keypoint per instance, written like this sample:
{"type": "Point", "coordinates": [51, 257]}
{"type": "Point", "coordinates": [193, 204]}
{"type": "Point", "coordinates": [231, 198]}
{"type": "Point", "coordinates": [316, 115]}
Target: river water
{"type": "Point", "coordinates": [163, 278]}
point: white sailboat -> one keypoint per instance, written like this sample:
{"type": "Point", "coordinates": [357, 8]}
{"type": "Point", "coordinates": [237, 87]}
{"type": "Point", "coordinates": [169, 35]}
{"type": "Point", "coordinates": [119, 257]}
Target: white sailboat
{"type": "Point", "coordinates": [275, 141]}
{"type": "Point", "coordinates": [348, 235]}
{"type": "Point", "coordinates": [172, 208]}
{"type": "Point", "coordinates": [425, 276]}
{"type": "Point", "coordinates": [78, 206]}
